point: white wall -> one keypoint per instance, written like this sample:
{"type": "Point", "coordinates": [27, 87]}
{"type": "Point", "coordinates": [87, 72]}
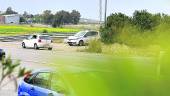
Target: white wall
{"type": "Point", "coordinates": [12, 19]}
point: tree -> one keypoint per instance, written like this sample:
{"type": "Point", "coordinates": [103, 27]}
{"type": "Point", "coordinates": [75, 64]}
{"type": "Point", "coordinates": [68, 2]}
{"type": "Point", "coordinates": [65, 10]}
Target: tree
{"type": "Point", "coordinates": [117, 20]}
{"type": "Point", "coordinates": [47, 17]}
{"type": "Point", "coordinates": [61, 18]}
{"type": "Point", "coordinates": [75, 16]}
{"type": "Point", "coordinates": [25, 15]}
{"type": "Point", "coordinates": [145, 20]}
{"type": "Point", "coordinates": [115, 24]}
{"type": "Point", "coordinates": [22, 19]}
{"type": "Point", "coordinates": [10, 11]}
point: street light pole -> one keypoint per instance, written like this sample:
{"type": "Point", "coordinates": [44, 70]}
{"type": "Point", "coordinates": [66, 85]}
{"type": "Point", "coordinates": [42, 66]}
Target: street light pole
{"type": "Point", "coordinates": [105, 17]}
{"type": "Point", "coordinates": [100, 11]}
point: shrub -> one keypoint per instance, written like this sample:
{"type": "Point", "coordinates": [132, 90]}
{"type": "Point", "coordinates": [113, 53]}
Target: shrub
{"type": "Point", "coordinates": [106, 35]}
{"type": "Point", "coordinates": [117, 20]}
{"type": "Point", "coordinates": [9, 69]}
{"type": "Point", "coordinates": [94, 46]}
{"type": "Point", "coordinates": [145, 20]}
{"type": "Point", "coordinates": [115, 24]}
{"type": "Point", "coordinates": [45, 31]}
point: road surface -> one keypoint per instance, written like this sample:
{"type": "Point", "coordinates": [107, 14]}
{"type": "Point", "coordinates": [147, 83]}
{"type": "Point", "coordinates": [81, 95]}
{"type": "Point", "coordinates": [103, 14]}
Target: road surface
{"type": "Point", "coordinates": [31, 59]}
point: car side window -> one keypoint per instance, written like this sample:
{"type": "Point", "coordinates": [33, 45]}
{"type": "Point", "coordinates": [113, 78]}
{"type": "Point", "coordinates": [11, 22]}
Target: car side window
{"type": "Point", "coordinates": [28, 78]}
{"type": "Point", "coordinates": [34, 37]}
{"type": "Point", "coordinates": [42, 80]}
{"type": "Point", "coordinates": [94, 33]}
{"type": "Point", "coordinates": [88, 34]}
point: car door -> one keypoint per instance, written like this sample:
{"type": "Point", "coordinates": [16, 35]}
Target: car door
{"type": "Point", "coordinates": [27, 41]}
{"type": "Point", "coordinates": [33, 40]}
{"type": "Point", "coordinates": [94, 35]}
{"type": "Point", "coordinates": [26, 87]}
{"type": "Point", "coordinates": [87, 37]}
{"type": "Point", "coordinates": [41, 84]}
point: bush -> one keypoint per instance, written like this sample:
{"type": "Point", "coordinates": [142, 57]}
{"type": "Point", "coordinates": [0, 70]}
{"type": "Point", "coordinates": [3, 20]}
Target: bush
{"type": "Point", "coordinates": [9, 69]}
{"type": "Point", "coordinates": [106, 35]}
{"type": "Point", "coordinates": [145, 20]}
{"type": "Point", "coordinates": [94, 46]}
{"type": "Point", "coordinates": [117, 20]}
{"type": "Point", "coordinates": [115, 24]}
{"type": "Point", "coordinates": [45, 31]}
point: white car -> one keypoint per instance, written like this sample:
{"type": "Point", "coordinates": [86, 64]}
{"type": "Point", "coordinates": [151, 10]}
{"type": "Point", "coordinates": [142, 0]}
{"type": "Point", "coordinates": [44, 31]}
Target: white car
{"type": "Point", "coordinates": [37, 41]}
{"type": "Point", "coordinates": [82, 38]}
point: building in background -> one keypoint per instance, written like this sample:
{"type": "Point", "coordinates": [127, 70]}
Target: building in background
{"type": "Point", "coordinates": [2, 19]}
{"type": "Point", "coordinates": [10, 19]}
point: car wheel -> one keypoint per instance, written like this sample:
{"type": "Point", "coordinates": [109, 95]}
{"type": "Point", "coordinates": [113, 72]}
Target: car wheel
{"type": "Point", "coordinates": [50, 48]}
{"type": "Point", "coordinates": [36, 46]}
{"type": "Point", "coordinates": [71, 44]}
{"type": "Point", "coordinates": [23, 45]}
{"type": "Point", "coordinates": [81, 43]}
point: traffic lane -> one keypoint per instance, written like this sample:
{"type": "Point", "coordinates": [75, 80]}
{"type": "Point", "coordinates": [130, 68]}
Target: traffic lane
{"type": "Point", "coordinates": [29, 58]}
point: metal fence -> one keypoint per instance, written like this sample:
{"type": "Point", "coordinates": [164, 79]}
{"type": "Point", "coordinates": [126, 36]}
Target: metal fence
{"type": "Point", "coordinates": [21, 37]}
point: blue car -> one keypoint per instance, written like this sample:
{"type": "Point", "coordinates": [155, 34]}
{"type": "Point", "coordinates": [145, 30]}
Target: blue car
{"type": "Point", "coordinates": [37, 84]}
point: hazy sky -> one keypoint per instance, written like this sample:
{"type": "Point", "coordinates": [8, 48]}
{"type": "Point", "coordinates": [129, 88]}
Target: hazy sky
{"type": "Point", "coordinates": [88, 8]}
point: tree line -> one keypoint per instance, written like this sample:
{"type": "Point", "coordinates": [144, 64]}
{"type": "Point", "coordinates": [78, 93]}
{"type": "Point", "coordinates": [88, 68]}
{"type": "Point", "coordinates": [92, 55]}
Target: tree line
{"type": "Point", "coordinates": [47, 17]}
{"type": "Point", "coordinates": [141, 22]}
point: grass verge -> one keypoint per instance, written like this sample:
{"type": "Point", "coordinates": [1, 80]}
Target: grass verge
{"type": "Point", "coordinates": [16, 30]}
{"type": "Point", "coordinates": [84, 74]}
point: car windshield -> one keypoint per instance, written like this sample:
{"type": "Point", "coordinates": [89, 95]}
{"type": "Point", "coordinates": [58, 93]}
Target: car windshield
{"type": "Point", "coordinates": [80, 34]}
{"type": "Point", "coordinates": [45, 37]}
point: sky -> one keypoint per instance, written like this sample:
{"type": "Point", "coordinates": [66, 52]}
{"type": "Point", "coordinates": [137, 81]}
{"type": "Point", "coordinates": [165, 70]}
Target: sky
{"type": "Point", "coordinates": [87, 8]}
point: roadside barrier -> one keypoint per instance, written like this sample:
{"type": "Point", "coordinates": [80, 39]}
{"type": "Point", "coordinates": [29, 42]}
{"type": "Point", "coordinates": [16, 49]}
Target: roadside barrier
{"type": "Point", "coordinates": [59, 35]}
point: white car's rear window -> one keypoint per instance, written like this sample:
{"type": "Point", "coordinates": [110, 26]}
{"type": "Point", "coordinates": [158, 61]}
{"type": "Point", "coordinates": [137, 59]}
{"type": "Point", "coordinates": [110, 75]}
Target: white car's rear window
{"type": "Point", "coordinates": [45, 37]}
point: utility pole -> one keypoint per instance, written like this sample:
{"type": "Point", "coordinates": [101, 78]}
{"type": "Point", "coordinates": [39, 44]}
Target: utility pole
{"type": "Point", "coordinates": [105, 17]}
{"type": "Point", "coordinates": [100, 11]}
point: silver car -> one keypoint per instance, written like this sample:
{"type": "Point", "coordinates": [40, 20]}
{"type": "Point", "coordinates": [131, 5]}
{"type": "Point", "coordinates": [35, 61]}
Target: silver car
{"type": "Point", "coordinates": [82, 38]}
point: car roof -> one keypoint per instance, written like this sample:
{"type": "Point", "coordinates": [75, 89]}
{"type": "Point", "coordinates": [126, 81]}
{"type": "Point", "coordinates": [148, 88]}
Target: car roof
{"type": "Point", "coordinates": [42, 71]}
{"type": "Point", "coordinates": [90, 31]}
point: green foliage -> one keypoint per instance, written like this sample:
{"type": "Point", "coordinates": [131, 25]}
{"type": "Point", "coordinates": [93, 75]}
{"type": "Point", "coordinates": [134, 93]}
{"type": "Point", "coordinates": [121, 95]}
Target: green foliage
{"type": "Point", "coordinates": [75, 16]}
{"type": "Point", "coordinates": [8, 69]}
{"type": "Point", "coordinates": [9, 11]}
{"type": "Point", "coordinates": [145, 20]}
{"type": "Point", "coordinates": [140, 30]}
{"type": "Point", "coordinates": [110, 75]}
{"type": "Point", "coordinates": [55, 24]}
{"type": "Point", "coordinates": [94, 46]}
{"type": "Point", "coordinates": [106, 35]}
{"type": "Point", "coordinates": [45, 31]}
{"type": "Point", "coordinates": [47, 17]}
{"type": "Point", "coordinates": [117, 20]}
{"type": "Point", "coordinates": [16, 30]}
{"type": "Point", "coordinates": [115, 23]}
{"type": "Point", "coordinates": [60, 18]}
{"type": "Point", "coordinates": [22, 19]}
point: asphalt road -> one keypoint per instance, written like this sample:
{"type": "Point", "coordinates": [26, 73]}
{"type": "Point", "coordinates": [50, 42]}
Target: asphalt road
{"type": "Point", "coordinates": [31, 59]}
